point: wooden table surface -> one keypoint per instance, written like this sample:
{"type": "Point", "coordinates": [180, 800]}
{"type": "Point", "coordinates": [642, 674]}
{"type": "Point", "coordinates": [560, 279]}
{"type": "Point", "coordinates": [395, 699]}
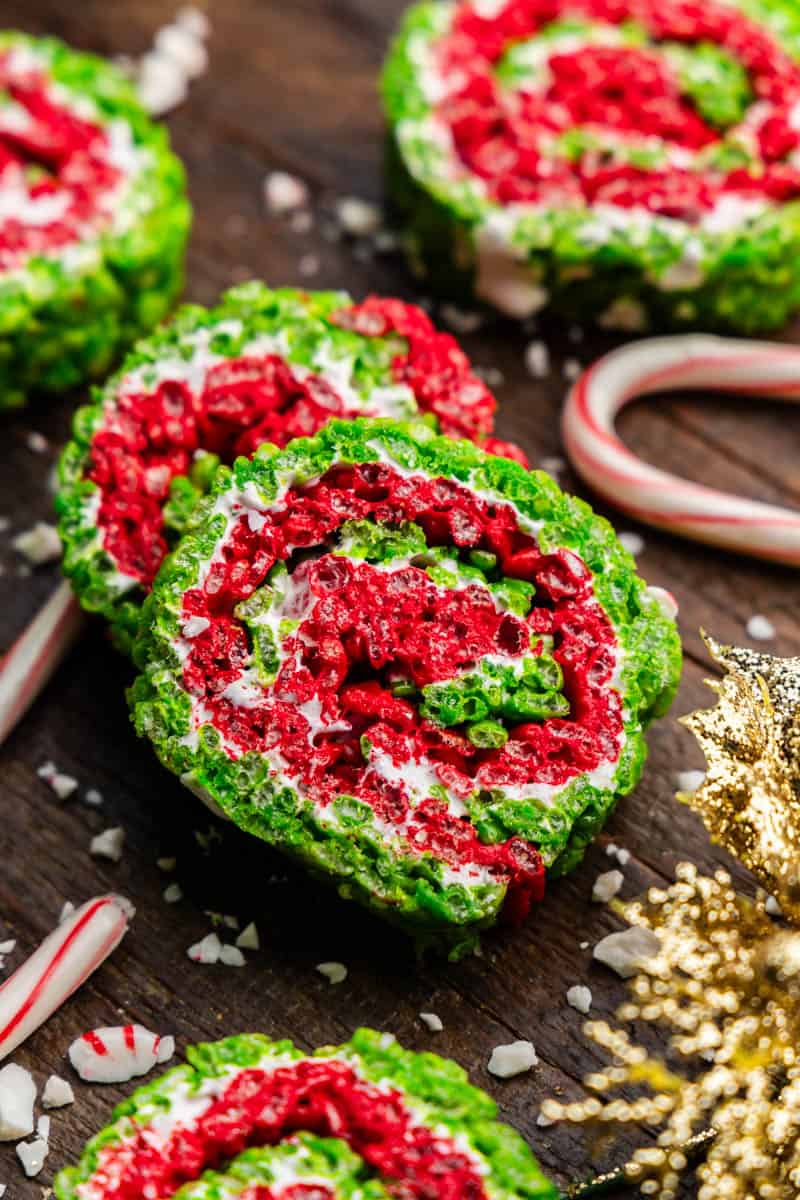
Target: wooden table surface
{"type": "Point", "coordinates": [292, 85]}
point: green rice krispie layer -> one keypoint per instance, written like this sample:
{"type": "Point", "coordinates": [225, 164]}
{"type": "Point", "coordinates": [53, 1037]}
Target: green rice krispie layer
{"type": "Point", "coordinates": [93, 217]}
{"type": "Point", "coordinates": [640, 170]}
{"type": "Point", "coordinates": [420, 669]}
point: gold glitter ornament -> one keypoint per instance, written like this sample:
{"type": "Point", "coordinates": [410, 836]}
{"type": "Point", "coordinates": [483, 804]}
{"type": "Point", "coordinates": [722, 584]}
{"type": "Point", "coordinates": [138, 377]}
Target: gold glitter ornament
{"type": "Point", "coordinates": [726, 983]}
{"type": "Point", "coordinates": [750, 799]}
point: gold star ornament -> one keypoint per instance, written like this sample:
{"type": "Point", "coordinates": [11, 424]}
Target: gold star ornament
{"type": "Point", "coordinates": [750, 799]}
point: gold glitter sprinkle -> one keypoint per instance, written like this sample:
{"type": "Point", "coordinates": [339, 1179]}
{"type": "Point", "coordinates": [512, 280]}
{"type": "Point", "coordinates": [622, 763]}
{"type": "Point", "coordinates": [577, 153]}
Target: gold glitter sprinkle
{"type": "Point", "coordinates": [750, 799]}
{"type": "Point", "coordinates": [726, 983]}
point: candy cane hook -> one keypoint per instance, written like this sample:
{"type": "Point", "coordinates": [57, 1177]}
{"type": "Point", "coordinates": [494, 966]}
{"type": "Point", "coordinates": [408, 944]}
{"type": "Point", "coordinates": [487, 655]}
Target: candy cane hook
{"type": "Point", "coordinates": [36, 655]}
{"type": "Point", "coordinates": [658, 497]}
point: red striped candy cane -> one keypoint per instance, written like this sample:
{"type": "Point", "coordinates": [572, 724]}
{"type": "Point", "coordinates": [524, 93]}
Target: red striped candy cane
{"type": "Point", "coordinates": [36, 655]}
{"type": "Point", "coordinates": [657, 497]}
{"type": "Point", "coordinates": [65, 959]}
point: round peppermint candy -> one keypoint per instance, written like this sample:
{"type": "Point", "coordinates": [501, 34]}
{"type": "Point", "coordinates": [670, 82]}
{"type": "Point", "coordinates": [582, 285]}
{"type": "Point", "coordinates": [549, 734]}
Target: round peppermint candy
{"type": "Point", "coordinates": [252, 1118]}
{"type": "Point", "coordinates": [629, 161]}
{"type": "Point", "coordinates": [93, 217]}
{"type": "Point", "coordinates": [264, 366]}
{"type": "Point", "coordinates": [418, 668]}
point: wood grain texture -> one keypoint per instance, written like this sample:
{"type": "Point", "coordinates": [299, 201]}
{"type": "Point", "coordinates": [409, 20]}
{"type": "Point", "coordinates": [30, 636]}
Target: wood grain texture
{"type": "Point", "coordinates": [293, 86]}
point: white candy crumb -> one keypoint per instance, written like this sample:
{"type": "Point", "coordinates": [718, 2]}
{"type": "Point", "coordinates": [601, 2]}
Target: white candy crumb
{"type": "Point", "coordinates": [67, 909]}
{"type": "Point", "coordinates": [572, 368]}
{"type": "Point", "coordinates": [553, 464]}
{"type": "Point", "coordinates": [308, 265]}
{"type": "Point", "coordinates": [194, 626]}
{"type": "Point", "coordinates": [544, 1122]}
{"type": "Point", "coordinates": [108, 844]}
{"type": "Point", "coordinates": [537, 359]}
{"type": "Point", "coordinates": [431, 1021]}
{"type": "Point", "coordinates": [43, 1127]}
{"type": "Point", "coordinates": [460, 320]}
{"type": "Point", "coordinates": [513, 1059]}
{"type": "Point", "coordinates": [580, 998]}
{"type": "Point", "coordinates": [173, 893]}
{"type": "Point", "coordinates": [248, 939]}
{"type": "Point", "coordinates": [184, 48]}
{"type": "Point", "coordinates": [39, 544]}
{"type": "Point", "coordinates": [583, 945]}
{"type": "Point", "coordinates": [633, 543]}
{"type": "Point", "coordinates": [283, 192]}
{"type": "Point", "coordinates": [606, 886]}
{"type": "Point", "coordinates": [57, 1092]}
{"type": "Point", "coordinates": [773, 907]}
{"type": "Point", "coordinates": [94, 798]}
{"type": "Point", "coordinates": [194, 21]}
{"type": "Point", "coordinates": [334, 972]}
{"type": "Point", "coordinates": [625, 951]}
{"type": "Point", "coordinates": [358, 217]}
{"type": "Point", "coordinates": [231, 956]}
{"type": "Point", "coordinates": [206, 951]}
{"type": "Point", "coordinates": [37, 443]}
{"type": "Point", "coordinates": [230, 922]}
{"type": "Point", "coordinates": [166, 864]}
{"type": "Point", "coordinates": [689, 781]}
{"type": "Point", "coordinates": [7, 947]}
{"type": "Point", "coordinates": [760, 629]}
{"type": "Point", "coordinates": [17, 1098]}
{"type": "Point", "coordinates": [2, 1190]}
{"type": "Point", "coordinates": [63, 785]}
{"type": "Point", "coordinates": [32, 1156]}
{"type": "Point", "coordinates": [623, 857]}
{"type": "Point", "coordinates": [161, 84]}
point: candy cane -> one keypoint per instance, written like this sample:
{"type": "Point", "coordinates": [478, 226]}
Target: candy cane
{"type": "Point", "coordinates": [65, 959]}
{"type": "Point", "coordinates": [657, 497]}
{"type": "Point", "coordinates": [36, 655]}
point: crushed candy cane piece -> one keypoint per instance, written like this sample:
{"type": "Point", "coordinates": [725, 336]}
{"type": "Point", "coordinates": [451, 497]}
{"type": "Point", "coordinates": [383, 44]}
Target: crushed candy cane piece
{"type": "Point", "coordinates": [93, 798]}
{"type": "Point", "coordinates": [571, 368]}
{"type": "Point", "coordinates": [40, 544]}
{"type": "Point", "coordinates": [633, 542]}
{"type": "Point", "coordinates": [248, 939]}
{"type": "Point", "coordinates": [760, 628]}
{"type": "Point", "coordinates": [334, 972]}
{"type": "Point", "coordinates": [161, 84]}
{"type": "Point", "coordinates": [8, 946]}
{"type": "Point", "coordinates": [606, 886]}
{"type": "Point", "coordinates": [57, 1093]}
{"type": "Point", "coordinates": [17, 1098]}
{"type": "Point", "coordinates": [195, 626]}
{"type": "Point", "coordinates": [625, 951]}
{"type": "Point", "coordinates": [579, 997]}
{"type": "Point", "coordinates": [43, 1127]}
{"type": "Point", "coordinates": [194, 21]}
{"type": "Point", "coordinates": [108, 844]}
{"type": "Point", "coordinates": [689, 781]}
{"type": "Point", "coordinates": [206, 951]}
{"type": "Point", "coordinates": [117, 1053]}
{"type": "Point", "coordinates": [537, 359]}
{"type": "Point", "coordinates": [32, 1156]}
{"type": "Point", "coordinates": [283, 192]}
{"type": "Point", "coordinates": [431, 1021]}
{"type": "Point", "coordinates": [512, 1059]}
{"type": "Point", "coordinates": [36, 442]}
{"type": "Point", "coordinates": [231, 956]}
{"type": "Point", "coordinates": [358, 217]}
{"type": "Point", "coordinates": [67, 909]}
{"type": "Point", "coordinates": [773, 907]}
{"type": "Point", "coordinates": [183, 48]}
{"type": "Point", "coordinates": [173, 893]}
{"type": "Point", "coordinates": [63, 785]}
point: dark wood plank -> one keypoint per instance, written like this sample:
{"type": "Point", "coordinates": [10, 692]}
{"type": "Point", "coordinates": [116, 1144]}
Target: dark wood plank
{"type": "Point", "coordinates": [293, 86]}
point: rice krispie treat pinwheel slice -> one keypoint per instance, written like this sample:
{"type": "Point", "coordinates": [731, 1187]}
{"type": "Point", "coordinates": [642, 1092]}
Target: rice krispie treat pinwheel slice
{"type": "Point", "coordinates": [420, 669]}
{"type": "Point", "coordinates": [633, 162]}
{"type": "Point", "coordinates": [248, 1117]}
{"type": "Point", "coordinates": [264, 366]}
{"type": "Point", "coordinates": [93, 217]}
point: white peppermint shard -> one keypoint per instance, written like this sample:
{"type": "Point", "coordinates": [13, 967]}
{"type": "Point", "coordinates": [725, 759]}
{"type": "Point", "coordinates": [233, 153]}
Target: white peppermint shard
{"type": "Point", "coordinates": [117, 1053]}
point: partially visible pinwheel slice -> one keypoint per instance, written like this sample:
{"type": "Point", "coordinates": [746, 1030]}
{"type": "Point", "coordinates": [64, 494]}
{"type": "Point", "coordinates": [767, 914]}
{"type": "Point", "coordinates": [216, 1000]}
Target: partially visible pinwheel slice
{"type": "Point", "coordinates": [93, 217]}
{"type": "Point", "coordinates": [380, 1118]}
{"type": "Point", "coordinates": [421, 669]}
{"type": "Point", "coordinates": [630, 162]}
{"type": "Point", "coordinates": [263, 366]}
